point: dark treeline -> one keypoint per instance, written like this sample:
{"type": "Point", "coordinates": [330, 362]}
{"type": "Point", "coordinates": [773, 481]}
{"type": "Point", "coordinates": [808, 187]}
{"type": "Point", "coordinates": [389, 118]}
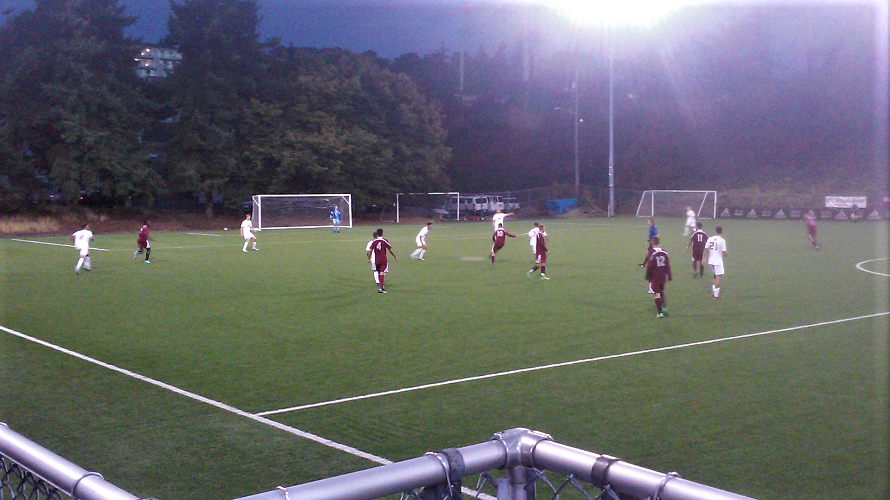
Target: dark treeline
{"type": "Point", "coordinates": [721, 105]}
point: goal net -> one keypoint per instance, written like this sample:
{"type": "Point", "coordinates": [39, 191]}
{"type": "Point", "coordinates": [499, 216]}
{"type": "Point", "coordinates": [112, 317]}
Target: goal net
{"type": "Point", "coordinates": [433, 206]}
{"type": "Point", "coordinates": [666, 203]}
{"type": "Point", "coordinates": [300, 211]}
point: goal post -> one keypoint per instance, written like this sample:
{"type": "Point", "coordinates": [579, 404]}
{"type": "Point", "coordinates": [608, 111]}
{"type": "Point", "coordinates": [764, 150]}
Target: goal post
{"type": "Point", "coordinates": [673, 203]}
{"type": "Point", "coordinates": [300, 211]}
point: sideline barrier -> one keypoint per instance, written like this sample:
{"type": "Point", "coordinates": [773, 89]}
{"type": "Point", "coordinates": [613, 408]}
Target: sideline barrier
{"type": "Point", "coordinates": [524, 455]}
{"type": "Point", "coordinates": [29, 471]}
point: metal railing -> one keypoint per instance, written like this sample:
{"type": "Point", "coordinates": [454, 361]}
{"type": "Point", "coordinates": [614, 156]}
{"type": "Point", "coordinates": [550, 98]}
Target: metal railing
{"type": "Point", "coordinates": [524, 455]}
{"type": "Point", "coordinates": [30, 472]}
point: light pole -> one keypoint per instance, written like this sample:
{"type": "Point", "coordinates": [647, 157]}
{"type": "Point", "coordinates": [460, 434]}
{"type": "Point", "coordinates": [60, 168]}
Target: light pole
{"type": "Point", "coordinates": [577, 127]}
{"type": "Point", "coordinates": [611, 210]}
{"type": "Point", "coordinates": [577, 124]}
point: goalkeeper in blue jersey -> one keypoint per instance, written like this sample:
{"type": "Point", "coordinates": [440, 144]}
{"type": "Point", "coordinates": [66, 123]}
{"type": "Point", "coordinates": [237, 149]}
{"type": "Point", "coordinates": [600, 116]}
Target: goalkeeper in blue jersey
{"type": "Point", "coordinates": [335, 218]}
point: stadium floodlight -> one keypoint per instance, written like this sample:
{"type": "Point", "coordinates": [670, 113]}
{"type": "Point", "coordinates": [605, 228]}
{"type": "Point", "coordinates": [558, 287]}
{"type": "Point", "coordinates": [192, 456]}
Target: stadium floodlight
{"type": "Point", "coordinates": [614, 14]}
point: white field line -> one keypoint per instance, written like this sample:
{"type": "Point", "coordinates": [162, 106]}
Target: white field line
{"type": "Point", "coordinates": [222, 406]}
{"type": "Point", "coordinates": [859, 266]}
{"type": "Point", "coordinates": [57, 244]}
{"type": "Point", "coordinates": [205, 234]}
{"type": "Point", "coordinates": [560, 365]}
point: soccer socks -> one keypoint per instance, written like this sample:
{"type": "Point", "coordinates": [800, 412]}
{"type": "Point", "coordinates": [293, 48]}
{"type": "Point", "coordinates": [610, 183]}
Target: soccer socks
{"type": "Point", "coordinates": [254, 246]}
{"type": "Point", "coordinates": [79, 264]}
{"type": "Point", "coordinates": [422, 251]}
{"type": "Point", "coordinates": [380, 280]}
{"type": "Point", "coordinates": [376, 278]}
{"type": "Point", "coordinates": [245, 245]}
{"type": "Point", "coordinates": [415, 253]}
{"type": "Point", "coordinates": [659, 302]}
{"type": "Point", "coordinates": [147, 253]}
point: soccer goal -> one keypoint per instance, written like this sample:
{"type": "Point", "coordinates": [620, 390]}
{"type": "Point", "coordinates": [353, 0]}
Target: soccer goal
{"type": "Point", "coordinates": [434, 206]}
{"type": "Point", "coordinates": [300, 211]}
{"type": "Point", "coordinates": [668, 203]}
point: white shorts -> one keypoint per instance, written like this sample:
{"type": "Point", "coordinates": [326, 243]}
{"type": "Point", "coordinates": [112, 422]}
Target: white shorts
{"type": "Point", "coordinates": [717, 270]}
{"type": "Point", "coordinates": [248, 235]}
{"type": "Point", "coordinates": [83, 251]}
{"type": "Point", "coordinates": [420, 241]}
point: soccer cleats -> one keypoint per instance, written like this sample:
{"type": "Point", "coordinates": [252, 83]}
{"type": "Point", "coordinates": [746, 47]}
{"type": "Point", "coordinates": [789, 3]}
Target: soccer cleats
{"type": "Point", "coordinates": [543, 278]}
{"type": "Point", "coordinates": [659, 315]}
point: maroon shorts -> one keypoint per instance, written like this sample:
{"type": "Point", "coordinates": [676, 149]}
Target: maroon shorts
{"type": "Point", "coordinates": [142, 244]}
{"type": "Point", "coordinates": [541, 258]}
{"type": "Point", "coordinates": [495, 248]}
{"type": "Point", "coordinates": [657, 286]}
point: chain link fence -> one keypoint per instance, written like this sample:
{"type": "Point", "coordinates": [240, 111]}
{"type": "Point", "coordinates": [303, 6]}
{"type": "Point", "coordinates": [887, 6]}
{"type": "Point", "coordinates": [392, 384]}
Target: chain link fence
{"type": "Point", "coordinates": [18, 483]}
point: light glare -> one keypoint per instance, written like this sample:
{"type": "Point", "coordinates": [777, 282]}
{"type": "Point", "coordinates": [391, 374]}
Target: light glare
{"type": "Point", "coordinates": [616, 13]}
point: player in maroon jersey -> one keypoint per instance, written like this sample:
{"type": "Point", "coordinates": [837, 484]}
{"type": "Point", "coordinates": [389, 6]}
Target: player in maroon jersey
{"type": "Point", "coordinates": [142, 243]}
{"type": "Point", "coordinates": [540, 254]}
{"type": "Point", "coordinates": [810, 220]}
{"type": "Point", "coordinates": [498, 239]}
{"type": "Point", "coordinates": [377, 258]}
{"type": "Point", "coordinates": [697, 242]}
{"type": "Point", "coordinates": [658, 272]}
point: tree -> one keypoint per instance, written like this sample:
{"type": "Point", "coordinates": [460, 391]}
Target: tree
{"type": "Point", "coordinates": [214, 92]}
{"type": "Point", "coordinates": [76, 109]}
{"type": "Point", "coordinates": [348, 124]}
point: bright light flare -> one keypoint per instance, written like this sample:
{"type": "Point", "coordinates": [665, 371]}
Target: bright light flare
{"type": "Point", "coordinates": [616, 13]}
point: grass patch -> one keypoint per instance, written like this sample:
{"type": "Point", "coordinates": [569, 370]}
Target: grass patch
{"type": "Point", "coordinates": [777, 416]}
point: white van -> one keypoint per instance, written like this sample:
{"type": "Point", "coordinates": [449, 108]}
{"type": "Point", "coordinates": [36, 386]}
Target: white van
{"type": "Point", "coordinates": [487, 203]}
{"type": "Point", "coordinates": [477, 204]}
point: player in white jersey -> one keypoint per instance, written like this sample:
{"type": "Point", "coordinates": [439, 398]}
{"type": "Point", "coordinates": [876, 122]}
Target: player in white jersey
{"type": "Point", "coordinates": [247, 233]}
{"type": "Point", "coordinates": [716, 248]}
{"type": "Point", "coordinates": [690, 221]}
{"type": "Point", "coordinates": [498, 218]}
{"type": "Point", "coordinates": [532, 236]}
{"type": "Point", "coordinates": [420, 239]}
{"type": "Point", "coordinates": [82, 240]}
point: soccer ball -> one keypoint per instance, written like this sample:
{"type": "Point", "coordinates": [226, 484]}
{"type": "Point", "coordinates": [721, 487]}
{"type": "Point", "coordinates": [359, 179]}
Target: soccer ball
{"type": "Point", "coordinates": [225, 229]}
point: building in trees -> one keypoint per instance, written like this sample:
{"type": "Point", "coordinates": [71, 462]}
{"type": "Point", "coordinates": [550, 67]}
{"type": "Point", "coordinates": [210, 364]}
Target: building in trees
{"type": "Point", "coordinates": [157, 62]}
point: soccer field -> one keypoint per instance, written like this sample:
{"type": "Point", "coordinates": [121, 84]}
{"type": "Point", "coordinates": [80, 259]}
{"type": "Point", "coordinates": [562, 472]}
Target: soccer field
{"type": "Point", "coordinates": [213, 373]}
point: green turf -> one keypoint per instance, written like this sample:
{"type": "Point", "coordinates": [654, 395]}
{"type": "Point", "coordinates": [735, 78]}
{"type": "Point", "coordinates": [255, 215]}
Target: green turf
{"type": "Point", "coordinates": [800, 413]}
